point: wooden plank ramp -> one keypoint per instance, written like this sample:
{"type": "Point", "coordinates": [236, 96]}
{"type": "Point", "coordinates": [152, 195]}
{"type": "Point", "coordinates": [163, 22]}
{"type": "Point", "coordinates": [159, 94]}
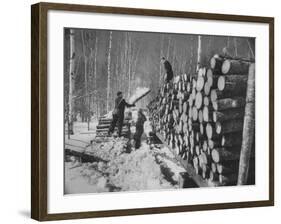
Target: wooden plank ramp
{"type": "Point", "coordinates": [189, 169]}
{"type": "Point", "coordinates": [78, 148]}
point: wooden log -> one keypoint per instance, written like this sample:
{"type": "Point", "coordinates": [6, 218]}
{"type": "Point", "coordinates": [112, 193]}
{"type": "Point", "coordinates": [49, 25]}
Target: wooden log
{"type": "Point", "coordinates": [205, 145]}
{"type": "Point", "coordinates": [206, 101]}
{"type": "Point", "coordinates": [209, 73]}
{"type": "Point", "coordinates": [211, 131]}
{"type": "Point", "coordinates": [231, 139]}
{"type": "Point", "coordinates": [213, 81]}
{"type": "Point", "coordinates": [207, 114]}
{"type": "Point", "coordinates": [214, 167]}
{"type": "Point", "coordinates": [216, 63]}
{"type": "Point", "coordinates": [223, 169]}
{"type": "Point", "coordinates": [225, 154]}
{"type": "Point", "coordinates": [201, 129]}
{"type": "Point", "coordinates": [216, 143]}
{"type": "Point", "coordinates": [106, 130]}
{"type": "Point", "coordinates": [184, 107]}
{"type": "Point", "coordinates": [228, 114]}
{"type": "Point", "coordinates": [205, 173]}
{"type": "Point", "coordinates": [200, 116]}
{"type": "Point", "coordinates": [202, 72]}
{"type": "Point", "coordinates": [198, 100]}
{"type": "Point", "coordinates": [235, 67]}
{"type": "Point", "coordinates": [194, 113]}
{"type": "Point", "coordinates": [207, 88]}
{"type": "Point", "coordinates": [228, 103]}
{"type": "Point", "coordinates": [248, 129]}
{"type": "Point", "coordinates": [193, 94]}
{"type": "Point", "coordinates": [229, 126]}
{"type": "Point", "coordinates": [213, 176]}
{"type": "Point", "coordinates": [228, 180]}
{"type": "Point", "coordinates": [232, 85]}
{"type": "Point", "coordinates": [200, 83]}
{"type": "Point", "coordinates": [106, 126]}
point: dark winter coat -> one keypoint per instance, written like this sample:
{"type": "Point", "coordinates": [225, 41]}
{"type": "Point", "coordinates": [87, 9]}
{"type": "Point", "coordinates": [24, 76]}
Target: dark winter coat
{"type": "Point", "coordinates": [120, 105]}
{"type": "Point", "coordinates": [169, 71]}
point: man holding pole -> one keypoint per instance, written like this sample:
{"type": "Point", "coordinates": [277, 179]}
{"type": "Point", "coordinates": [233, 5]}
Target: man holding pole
{"type": "Point", "coordinates": [118, 114]}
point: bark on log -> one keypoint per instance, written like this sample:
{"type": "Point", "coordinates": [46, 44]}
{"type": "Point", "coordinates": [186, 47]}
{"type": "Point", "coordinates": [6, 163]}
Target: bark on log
{"type": "Point", "coordinates": [213, 176]}
{"type": "Point", "coordinates": [198, 100]}
{"type": "Point", "coordinates": [231, 139]}
{"type": "Point", "coordinates": [228, 114]}
{"type": "Point", "coordinates": [211, 132]}
{"type": "Point", "coordinates": [216, 63]}
{"type": "Point", "coordinates": [207, 114]}
{"type": "Point", "coordinates": [206, 101]}
{"type": "Point", "coordinates": [224, 170]}
{"type": "Point", "coordinates": [227, 180]}
{"type": "Point", "coordinates": [207, 88]}
{"type": "Point", "coordinates": [233, 85]}
{"type": "Point", "coordinates": [235, 67]}
{"type": "Point", "coordinates": [228, 103]}
{"type": "Point", "coordinates": [223, 154]}
{"type": "Point", "coordinates": [229, 126]}
{"type": "Point", "coordinates": [200, 83]}
{"type": "Point", "coordinates": [194, 113]}
{"type": "Point", "coordinates": [248, 129]}
{"type": "Point", "coordinates": [216, 143]}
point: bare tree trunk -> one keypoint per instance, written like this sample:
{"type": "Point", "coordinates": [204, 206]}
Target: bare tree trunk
{"type": "Point", "coordinates": [71, 83]}
{"type": "Point", "coordinates": [129, 63]}
{"type": "Point", "coordinates": [248, 129]}
{"type": "Point", "coordinates": [235, 46]}
{"type": "Point", "coordinates": [108, 71]}
{"type": "Point", "coordinates": [168, 47]}
{"type": "Point", "coordinates": [161, 55]}
{"type": "Point", "coordinates": [199, 51]}
{"type": "Point", "coordinates": [95, 75]}
{"type": "Point", "coordinates": [87, 99]}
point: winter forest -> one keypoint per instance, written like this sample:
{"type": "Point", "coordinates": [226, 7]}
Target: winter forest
{"type": "Point", "coordinates": [192, 131]}
{"type": "Point", "coordinates": [105, 62]}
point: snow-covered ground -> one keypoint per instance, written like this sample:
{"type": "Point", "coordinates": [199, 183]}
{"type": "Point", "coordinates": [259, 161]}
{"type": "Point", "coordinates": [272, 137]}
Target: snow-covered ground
{"type": "Point", "coordinates": [120, 167]}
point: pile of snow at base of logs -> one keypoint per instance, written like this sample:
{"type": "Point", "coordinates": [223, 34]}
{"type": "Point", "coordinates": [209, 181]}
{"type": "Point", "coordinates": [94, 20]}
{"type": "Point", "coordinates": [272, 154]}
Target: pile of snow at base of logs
{"type": "Point", "coordinates": [122, 171]}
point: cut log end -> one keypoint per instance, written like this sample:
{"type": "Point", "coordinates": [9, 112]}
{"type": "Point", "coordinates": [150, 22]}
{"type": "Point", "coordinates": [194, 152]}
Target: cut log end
{"type": "Point", "coordinates": [226, 66]}
{"type": "Point", "coordinates": [209, 130]}
{"type": "Point", "coordinates": [221, 83]}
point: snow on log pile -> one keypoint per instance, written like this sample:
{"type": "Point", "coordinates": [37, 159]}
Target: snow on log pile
{"type": "Point", "coordinates": [200, 116]}
{"type": "Point", "coordinates": [122, 171]}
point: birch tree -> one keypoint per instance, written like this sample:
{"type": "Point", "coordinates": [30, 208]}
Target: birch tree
{"type": "Point", "coordinates": [87, 98]}
{"type": "Point", "coordinates": [95, 74]}
{"type": "Point", "coordinates": [108, 70]}
{"type": "Point", "coordinates": [161, 55]}
{"type": "Point", "coordinates": [71, 82]}
{"type": "Point", "coordinates": [199, 51]}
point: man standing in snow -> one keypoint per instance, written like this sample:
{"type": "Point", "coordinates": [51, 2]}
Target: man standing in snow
{"type": "Point", "coordinates": [118, 114]}
{"type": "Point", "coordinates": [139, 128]}
{"type": "Point", "coordinates": [168, 69]}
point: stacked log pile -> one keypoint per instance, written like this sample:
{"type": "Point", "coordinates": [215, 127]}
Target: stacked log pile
{"type": "Point", "coordinates": [104, 124]}
{"type": "Point", "coordinates": [200, 116]}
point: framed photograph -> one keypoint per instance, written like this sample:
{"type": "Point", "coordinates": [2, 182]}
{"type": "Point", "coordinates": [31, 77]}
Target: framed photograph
{"type": "Point", "coordinates": [139, 111]}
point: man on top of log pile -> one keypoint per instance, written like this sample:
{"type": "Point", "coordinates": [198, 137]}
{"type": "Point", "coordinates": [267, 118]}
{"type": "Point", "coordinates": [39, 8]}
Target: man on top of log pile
{"type": "Point", "coordinates": [139, 128]}
{"type": "Point", "coordinates": [168, 69]}
{"type": "Point", "coordinates": [118, 114]}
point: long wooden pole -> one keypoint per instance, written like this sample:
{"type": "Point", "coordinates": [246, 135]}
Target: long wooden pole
{"type": "Point", "coordinates": [248, 129]}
